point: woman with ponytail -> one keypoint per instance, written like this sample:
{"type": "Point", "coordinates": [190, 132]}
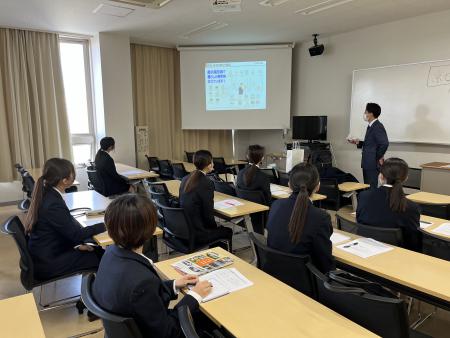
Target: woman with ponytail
{"type": "Point", "coordinates": [251, 178]}
{"type": "Point", "coordinates": [296, 226]}
{"type": "Point", "coordinates": [56, 239]}
{"type": "Point", "coordinates": [197, 199]}
{"type": "Point", "coordinates": [388, 206]}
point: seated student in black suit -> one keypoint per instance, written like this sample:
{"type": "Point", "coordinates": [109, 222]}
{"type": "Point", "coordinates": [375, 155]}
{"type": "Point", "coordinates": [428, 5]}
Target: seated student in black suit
{"type": "Point", "coordinates": [56, 239]}
{"type": "Point", "coordinates": [127, 283]}
{"type": "Point", "coordinates": [113, 183]}
{"type": "Point", "coordinates": [296, 226]}
{"type": "Point", "coordinates": [197, 199]}
{"type": "Point", "coordinates": [388, 206]}
{"type": "Point", "coordinates": [252, 178]}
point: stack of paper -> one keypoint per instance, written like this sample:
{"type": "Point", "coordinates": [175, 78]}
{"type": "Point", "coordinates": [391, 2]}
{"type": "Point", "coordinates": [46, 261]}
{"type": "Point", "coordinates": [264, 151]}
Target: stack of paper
{"type": "Point", "coordinates": [225, 281]}
{"type": "Point", "coordinates": [365, 247]}
{"type": "Point", "coordinates": [337, 237]}
{"type": "Point", "coordinates": [424, 224]}
{"type": "Point", "coordinates": [226, 204]}
{"type": "Point", "coordinates": [91, 221]}
{"type": "Point", "coordinates": [443, 229]}
{"type": "Point", "coordinates": [132, 172]}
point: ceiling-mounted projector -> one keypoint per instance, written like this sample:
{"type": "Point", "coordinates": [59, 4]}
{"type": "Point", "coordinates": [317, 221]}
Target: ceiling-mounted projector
{"type": "Point", "coordinates": [316, 49]}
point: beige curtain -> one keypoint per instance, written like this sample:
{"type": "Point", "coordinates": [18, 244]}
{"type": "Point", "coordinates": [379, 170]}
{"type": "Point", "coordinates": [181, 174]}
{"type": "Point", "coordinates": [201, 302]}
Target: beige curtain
{"type": "Point", "coordinates": [156, 97]}
{"type": "Point", "coordinates": [33, 117]}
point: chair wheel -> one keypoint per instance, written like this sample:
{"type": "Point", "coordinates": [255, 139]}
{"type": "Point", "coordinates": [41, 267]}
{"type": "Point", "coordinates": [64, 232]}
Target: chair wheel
{"type": "Point", "coordinates": [80, 307]}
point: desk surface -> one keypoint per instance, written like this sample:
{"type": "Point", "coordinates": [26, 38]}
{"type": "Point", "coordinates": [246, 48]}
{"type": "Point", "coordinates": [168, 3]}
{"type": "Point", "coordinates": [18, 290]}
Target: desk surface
{"type": "Point", "coordinates": [37, 172]}
{"type": "Point", "coordinates": [412, 269]}
{"type": "Point", "coordinates": [20, 317]}
{"type": "Point", "coordinates": [86, 199]}
{"type": "Point", "coordinates": [246, 208]}
{"type": "Point", "coordinates": [270, 308]}
{"type": "Point", "coordinates": [280, 191]}
{"type": "Point", "coordinates": [133, 173]}
{"type": "Point", "coordinates": [352, 186]}
{"type": "Point", "coordinates": [429, 198]}
{"type": "Point", "coordinates": [347, 213]}
{"type": "Point", "coordinates": [437, 165]}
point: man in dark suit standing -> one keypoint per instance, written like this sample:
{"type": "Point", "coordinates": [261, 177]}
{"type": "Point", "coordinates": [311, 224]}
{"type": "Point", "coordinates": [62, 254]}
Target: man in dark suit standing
{"type": "Point", "coordinates": [374, 145]}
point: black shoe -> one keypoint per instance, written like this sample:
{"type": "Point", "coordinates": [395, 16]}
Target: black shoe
{"type": "Point", "coordinates": [91, 316]}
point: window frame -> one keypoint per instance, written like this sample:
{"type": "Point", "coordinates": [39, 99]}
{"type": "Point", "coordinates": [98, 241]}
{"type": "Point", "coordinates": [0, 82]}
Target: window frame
{"type": "Point", "coordinates": [85, 138]}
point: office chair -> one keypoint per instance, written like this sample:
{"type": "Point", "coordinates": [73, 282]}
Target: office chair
{"type": "Point", "coordinates": [153, 164]}
{"type": "Point", "coordinates": [435, 246]}
{"type": "Point", "coordinates": [14, 227]}
{"type": "Point", "coordinates": [345, 225]}
{"type": "Point", "coordinates": [222, 186]}
{"type": "Point", "coordinates": [115, 326]}
{"type": "Point", "coordinates": [159, 193]}
{"type": "Point", "coordinates": [95, 182]}
{"type": "Point", "coordinates": [221, 168]}
{"type": "Point", "coordinates": [283, 178]}
{"type": "Point", "coordinates": [179, 233]}
{"type": "Point", "coordinates": [288, 268]}
{"type": "Point", "coordinates": [190, 156]}
{"type": "Point", "coordinates": [179, 171]}
{"type": "Point", "coordinates": [27, 187]}
{"type": "Point", "coordinates": [165, 169]}
{"type": "Point", "coordinates": [272, 174]}
{"type": "Point", "coordinates": [436, 210]}
{"type": "Point", "coordinates": [329, 187]}
{"type": "Point", "coordinates": [384, 316]}
{"type": "Point", "coordinates": [393, 236]}
{"type": "Point", "coordinates": [186, 322]}
{"type": "Point", "coordinates": [258, 219]}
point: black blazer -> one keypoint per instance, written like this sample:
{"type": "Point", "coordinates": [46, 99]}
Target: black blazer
{"type": "Point", "coordinates": [374, 146]}
{"type": "Point", "coordinates": [315, 239]}
{"type": "Point", "coordinates": [199, 203]}
{"type": "Point", "coordinates": [260, 182]}
{"type": "Point", "coordinates": [373, 209]}
{"type": "Point", "coordinates": [113, 183]}
{"type": "Point", "coordinates": [128, 285]}
{"type": "Point", "coordinates": [55, 234]}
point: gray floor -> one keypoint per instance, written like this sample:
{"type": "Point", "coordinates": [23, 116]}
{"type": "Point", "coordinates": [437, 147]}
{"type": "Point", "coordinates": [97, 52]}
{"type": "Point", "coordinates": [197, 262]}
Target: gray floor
{"type": "Point", "coordinates": [66, 322]}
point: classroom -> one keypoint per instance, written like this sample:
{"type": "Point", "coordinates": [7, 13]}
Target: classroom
{"type": "Point", "coordinates": [224, 168]}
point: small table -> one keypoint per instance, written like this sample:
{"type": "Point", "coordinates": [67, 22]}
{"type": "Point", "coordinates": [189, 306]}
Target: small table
{"type": "Point", "coordinates": [132, 173]}
{"type": "Point", "coordinates": [19, 317]}
{"type": "Point", "coordinates": [280, 191]}
{"type": "Point", "coordinates": [269, 308]}
{"type": "Point", "coordinates": [353, 187]}
{"type": "Point", "coordinates": [429, 198]}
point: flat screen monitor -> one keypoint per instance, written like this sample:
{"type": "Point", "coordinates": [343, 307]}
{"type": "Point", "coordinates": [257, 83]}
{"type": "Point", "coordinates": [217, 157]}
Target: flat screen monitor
{"type": "Point", "coordinates": [309, 128]}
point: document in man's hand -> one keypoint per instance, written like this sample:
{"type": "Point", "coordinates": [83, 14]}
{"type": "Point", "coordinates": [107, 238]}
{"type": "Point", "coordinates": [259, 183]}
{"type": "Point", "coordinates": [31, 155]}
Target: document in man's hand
{"type": "Point", "coordinates": [225, 281]}
{"type": "Point", "coordinates": [443, 229]}
{"type": "Point", "coordinates": [337, 237]}
{"type": "Point", "coordinates": [364, 247]}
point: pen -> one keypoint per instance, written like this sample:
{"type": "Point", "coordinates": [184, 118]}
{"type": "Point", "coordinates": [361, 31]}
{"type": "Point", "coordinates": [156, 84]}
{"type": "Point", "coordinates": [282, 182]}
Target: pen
{"type": "Point", "coordinates": [424, 222]}
{"type": "Point", "coordinates": [350, 245]}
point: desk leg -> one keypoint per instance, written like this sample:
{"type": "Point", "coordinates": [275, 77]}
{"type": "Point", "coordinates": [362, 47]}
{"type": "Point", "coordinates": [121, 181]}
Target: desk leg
{"type": "Point", "coordinates": [249, 226]}
{"type": "Point", "coordinates": [354, 201]}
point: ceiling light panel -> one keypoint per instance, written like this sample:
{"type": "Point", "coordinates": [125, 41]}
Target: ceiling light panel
{"type": "Point", "coordinates": [322, 6]}
{"type": "Point", "coordinates": [117, 11]}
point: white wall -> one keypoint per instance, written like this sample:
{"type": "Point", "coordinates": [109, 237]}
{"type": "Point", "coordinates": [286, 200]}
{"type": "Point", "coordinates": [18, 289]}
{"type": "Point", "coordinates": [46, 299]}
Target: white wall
{"type": "Point", "coordinates": [322, 85]}
{"type": "Point", "coordinates": [113, 93]}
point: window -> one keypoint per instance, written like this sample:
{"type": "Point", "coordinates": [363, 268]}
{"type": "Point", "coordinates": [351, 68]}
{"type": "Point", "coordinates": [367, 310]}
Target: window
{"type": "Point", "coordinates": [75, 65]}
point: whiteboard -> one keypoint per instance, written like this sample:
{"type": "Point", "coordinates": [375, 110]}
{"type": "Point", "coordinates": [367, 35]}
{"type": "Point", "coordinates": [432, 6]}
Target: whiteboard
{"type": "Point", "coordinates": [414, 100]}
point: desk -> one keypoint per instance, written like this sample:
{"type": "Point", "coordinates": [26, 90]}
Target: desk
{"type": "Point", "coordinates": [19, 317]}
{"type": "Point", "coordinates": [245, 209]}
{"type": "Point", "coordinates": [280, 191]}
{"type": "Point", "coordinates": [346, 213]}
{"type": "Point", "coordinates": [37, 172]}
{"type": "Point", "coordinates": [270, 308]}
{"type": "Point", "coordinates": [415, 274]}
{"type": "Point", "coordinates": [435, 177]}
{"type": "Point", "coordinates": [429, 198]}
{"type": "Point", "coordinates": [132, 173]}
{"type": "Point", "coordinates": [347, 187]}
{"type": "Point", "coordinates": [86, 199]}
{"type": "Point", "coordinates": [190, 167]}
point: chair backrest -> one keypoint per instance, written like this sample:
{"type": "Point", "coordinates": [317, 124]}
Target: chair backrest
{"type": "Point", "coordinates": [392, 236]}
{"type": "Point", "coordinates": [115, 326]}
{"type": "Point", "coordinates": [346, 225]}
{"type": "Point", "coordinates": [435, 246]}
{"type": "Point", "coordinates": [329, 187]}
{"type": "Point", "coordinates": [94, 180]}
{"type": "Point", "coordinates": [219, 165]}
{"type": "Point", "coordinates": [256, 196]}
{"type": "Point", "coordinates": [224, 187]}
{"type": "Point", "coordinates": [165, 169]}
{"type": "Point", "coordinates": [179, 171]}
{"type": "Point", "coordinates": [435, 210]}
{"type": "Point", "coordinates": [414, 178]}
{"type": "Point", "coordinates": [186, 322]}
{"type": "Point", "coordinates": [384, 316]}
{"type": "Point", "coordinates": [152, 163]}
{"type": "Point", "coordinates": [176, 223]}
{"type": "Point", "coordinates": [272, 173]}
{"type": "Point", "coordinates": [283, 179]}
{"type": "Point", "coordinates": [27, 183]}
{"type": "Point", "coordinates": [14, 227]}
{"type": "Point", "coordinates": [288, 268]}
{"type": "Point", "coordinates": [159, 193]}
{"type": "Point", "coordinates": [190, 156]}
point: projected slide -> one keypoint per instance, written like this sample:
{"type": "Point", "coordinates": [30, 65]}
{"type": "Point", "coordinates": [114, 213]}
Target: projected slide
{"type": "Point", "coordinates": [235, 85]}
